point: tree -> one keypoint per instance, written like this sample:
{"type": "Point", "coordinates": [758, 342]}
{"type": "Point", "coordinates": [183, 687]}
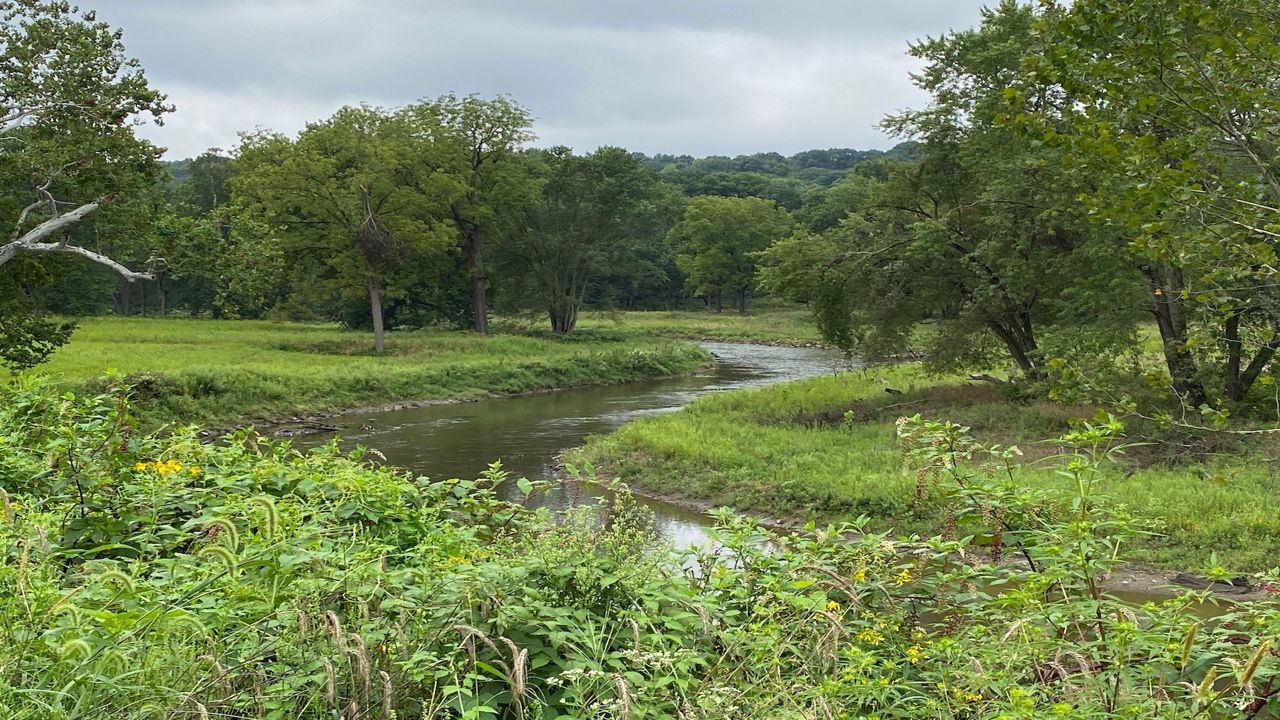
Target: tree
{"type": "Point", "coordinates": [356, 198]}
{"type": "Point", "coordinates": [68, 97]}
{"type": "Point", "coordinates": [483, 137]}
{"type": "Point", "coordinates": [717, 240]}
{"type": "Point", "coordinates": [1176, 103]}
{"type": "Point", "coordinates": [981, 237]}
{"type": "Point", "coordinates": [598, 214]}
{"type": "Point", "coordinates": [205, 186]}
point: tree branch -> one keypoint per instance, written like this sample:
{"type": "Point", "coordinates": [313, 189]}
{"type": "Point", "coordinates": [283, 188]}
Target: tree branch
{"type": "Point", "coordinates": [28, 243]}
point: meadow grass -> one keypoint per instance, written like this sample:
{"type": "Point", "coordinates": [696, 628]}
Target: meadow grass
{"type": "Point", "coordinates": [218, 371]}
{"type": "Point", "coordinates": [788, 451]}
{"type": "Point", "coordinates": [790, 325]}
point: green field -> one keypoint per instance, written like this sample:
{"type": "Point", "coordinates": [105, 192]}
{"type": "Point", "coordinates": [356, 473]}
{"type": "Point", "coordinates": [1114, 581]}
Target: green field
{"type": "Point", "coordinates": [788, 451]}
{"type": "Point", "coordinates": [785, 326]}
{"type": "Point", "coordinates": [220, 371]}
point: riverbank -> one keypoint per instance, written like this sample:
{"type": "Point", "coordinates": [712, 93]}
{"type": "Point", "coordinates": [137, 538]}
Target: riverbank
{"type": "Point", "coordinates": [222, 372]}
{"type": "Point", "coordinates": [825, 449]}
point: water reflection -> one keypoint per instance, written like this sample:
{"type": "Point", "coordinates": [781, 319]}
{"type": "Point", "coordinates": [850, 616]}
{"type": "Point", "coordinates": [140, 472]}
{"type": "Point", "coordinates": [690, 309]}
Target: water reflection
{"type": "Point", "coordinates": [528, 433]}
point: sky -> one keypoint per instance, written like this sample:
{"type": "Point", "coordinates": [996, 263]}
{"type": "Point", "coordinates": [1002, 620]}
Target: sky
{"type": "Point", "coordinates": [698, 77]}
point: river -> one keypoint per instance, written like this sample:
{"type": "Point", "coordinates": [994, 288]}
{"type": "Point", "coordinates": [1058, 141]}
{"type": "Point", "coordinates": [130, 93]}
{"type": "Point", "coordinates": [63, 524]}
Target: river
{"type": "Point", "coordinates": [527, 433]}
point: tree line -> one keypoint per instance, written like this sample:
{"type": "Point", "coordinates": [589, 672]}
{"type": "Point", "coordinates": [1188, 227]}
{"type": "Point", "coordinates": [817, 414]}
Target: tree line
{"type": "Point", "coordinates": [1080, 171]}
{"type": "Point", "coordinates": [435, 212]}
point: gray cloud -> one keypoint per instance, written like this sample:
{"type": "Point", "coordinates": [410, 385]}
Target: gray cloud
{"type": "Point", "coordinates": [692, 76]}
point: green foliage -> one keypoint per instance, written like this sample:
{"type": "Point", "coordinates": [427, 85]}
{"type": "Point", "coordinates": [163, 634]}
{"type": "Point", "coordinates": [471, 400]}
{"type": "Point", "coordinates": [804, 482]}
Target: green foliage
{"type": "Point", "coordinates": [26, 339]}
{"type": "Point", "coordinates": [1172, 106]}
{"type": "Point", "coordinates": [716, 242]}
{"type": "Point", "coordinates": [360, 196]}
{"type": "Point", "coordinates": [159, 576]}
{"type": "Point", "coordinates": [69, 97]}
{"type": "Point", "coordinates": [823, 448]}
{"type": "Point", "coordinates": [599, 217]}
{"type": "Point", "coordinates": [981, 238]}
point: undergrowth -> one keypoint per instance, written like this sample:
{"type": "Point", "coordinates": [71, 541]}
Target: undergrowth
{"type": "Point", "coordinates": [156, 577]}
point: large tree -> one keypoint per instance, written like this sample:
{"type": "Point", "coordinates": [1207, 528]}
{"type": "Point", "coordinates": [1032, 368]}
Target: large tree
{"type": "Point", "coordinates": [716, 243]}
{"type": "Point", "coordinates": [483, 137]}
{"type": "Point", "coordinates": [1177, 104]}
{"type": "Point", "coordinates": [69, 97]}
{"type": "Point", "coordinates": [981, 237]}
{"type": "Point", "coordinates": [598, 215]}
{"type": "Point", "coordinates": [355, 199]}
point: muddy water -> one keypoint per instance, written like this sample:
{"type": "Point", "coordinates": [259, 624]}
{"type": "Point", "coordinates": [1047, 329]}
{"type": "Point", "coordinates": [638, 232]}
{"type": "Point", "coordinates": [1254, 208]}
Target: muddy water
{"type": "Point", "coordinates": [528, 433]}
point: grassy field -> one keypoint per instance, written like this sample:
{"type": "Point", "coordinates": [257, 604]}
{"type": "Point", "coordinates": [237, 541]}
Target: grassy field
{"type": "Point", "coordinates": [220, 371]}
{"type": "Point", "coordinates": [789, 451]}
{"type": "Point", "coordinates": [785, 326]}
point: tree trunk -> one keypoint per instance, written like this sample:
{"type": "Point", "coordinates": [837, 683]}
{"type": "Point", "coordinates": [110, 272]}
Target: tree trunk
{"type": "Point", "coordinates": [564, 315]}
{"type": "Point", "coordinates": [375, 310]}
{"type": "Point", "coordinates": [718, 303]}
{"type": "Point", "coordinates": [164, 294]}
{"type": "Point", "coordinates": [1021, 346]}
{"type": "Point", "coordinates": [1235, 349]}
{"type": "Point", "coordinates": [1251, 373]}
{"type": "Point", "coordinates": [479, 302]}
{"type": "Point", "coordinates": [1166, 286]}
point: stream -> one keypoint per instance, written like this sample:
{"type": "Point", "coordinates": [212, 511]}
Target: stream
{"type": "Point", "coordinates": [527, 433]}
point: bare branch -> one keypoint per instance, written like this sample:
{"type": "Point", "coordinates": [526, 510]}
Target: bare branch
{"type": "Point", "coordinates": [99, 258]}
{"type": "Point", "coordinates": [28, 243]}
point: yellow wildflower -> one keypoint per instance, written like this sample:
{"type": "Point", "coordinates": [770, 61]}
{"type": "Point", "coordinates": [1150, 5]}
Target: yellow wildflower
{"type": "Point", "coordinates": [869, 636]}
{"type": "Point", "coordinates": [903, 577]}
{"type": "Point", "coordinates": [861, 575]}
{"type": "Point", "coordinates": [140, 466]}
{"type": "Point", "coordinates": [833, 606]}
{"type": "Point", "coordinates": [196, 470]}
{"type": "Point", "coordinates": [915, 654]}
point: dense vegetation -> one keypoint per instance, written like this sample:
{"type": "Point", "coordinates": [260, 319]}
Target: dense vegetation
{"type": "Point", "coordinates": [1083, 218]}
{"type": "Point", "coordinates": [161, 577]}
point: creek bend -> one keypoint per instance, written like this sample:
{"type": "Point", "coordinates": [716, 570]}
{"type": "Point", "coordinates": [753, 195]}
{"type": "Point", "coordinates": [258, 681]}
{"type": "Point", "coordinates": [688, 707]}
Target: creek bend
{"type": "Point", "coordinates": [528, 433]}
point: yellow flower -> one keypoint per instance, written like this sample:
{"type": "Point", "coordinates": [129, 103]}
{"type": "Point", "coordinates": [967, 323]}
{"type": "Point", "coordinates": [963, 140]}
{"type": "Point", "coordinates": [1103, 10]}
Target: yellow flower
{"type": "Point", "coordinates": [196, 470]}
{"type": "Point", "coordinates": [860, 576]}
{"type": "Point", "coordinates": [869, 636]}
{"type": "Point", "coordinates": [140, 466]}
{"type": "Point", "coordinates": [458, 559]}
{"type": "Point", "coordinates": [915, 654]}
{"type": "Point", "coordinates": [903, 577]}
{"type": "Point", "coordinates": [832, 606]}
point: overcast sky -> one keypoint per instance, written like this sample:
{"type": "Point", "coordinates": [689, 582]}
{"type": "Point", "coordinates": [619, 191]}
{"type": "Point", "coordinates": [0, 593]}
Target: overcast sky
{"type": "Point", "coordinates": [676, 76]}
